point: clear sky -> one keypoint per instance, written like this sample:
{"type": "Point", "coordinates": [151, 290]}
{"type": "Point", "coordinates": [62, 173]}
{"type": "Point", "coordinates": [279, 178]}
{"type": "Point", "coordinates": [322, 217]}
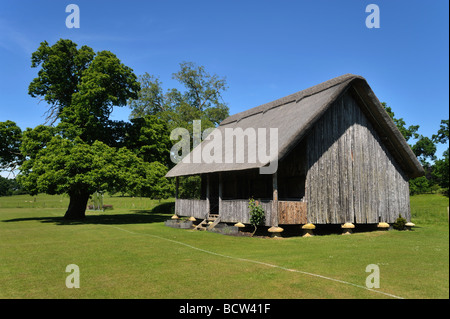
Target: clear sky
{"type": "Point", "coordinates": [265, 49]}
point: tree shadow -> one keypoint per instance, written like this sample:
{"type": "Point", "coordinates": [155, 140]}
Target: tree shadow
{"type": "Point", "coordinates": [158, 214]}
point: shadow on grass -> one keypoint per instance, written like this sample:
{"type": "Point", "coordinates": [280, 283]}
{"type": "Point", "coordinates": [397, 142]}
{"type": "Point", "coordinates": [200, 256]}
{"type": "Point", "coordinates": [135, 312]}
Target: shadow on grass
{"type": "Point", "coordinates": [158, 214]}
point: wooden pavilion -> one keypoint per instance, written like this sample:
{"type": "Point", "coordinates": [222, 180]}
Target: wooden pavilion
{"type": "Point", "coordinates": [341, 159]}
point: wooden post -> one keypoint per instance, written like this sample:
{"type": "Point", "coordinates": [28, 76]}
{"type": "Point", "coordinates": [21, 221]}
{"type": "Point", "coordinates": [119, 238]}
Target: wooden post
{"type": "Point", "coordinates": [208, 205]}
{"type": "Point", "coordinates": [177, 184]}
{"type": "Point", "coordinates": [220, 193]}
{"type": "Point", "coordinates": [274, 217]}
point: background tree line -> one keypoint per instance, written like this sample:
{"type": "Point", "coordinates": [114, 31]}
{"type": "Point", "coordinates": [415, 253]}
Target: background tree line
{"type": "Point", "coordinates": [436, 177]}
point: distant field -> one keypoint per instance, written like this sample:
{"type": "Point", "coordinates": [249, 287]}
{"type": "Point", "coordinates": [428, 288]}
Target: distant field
{"type": "Point", "coordinates": [62, 201]}
{"type": "Point", "coordinates": [127, 252]}
{"type": "Point", "coordinates": [429, 209]}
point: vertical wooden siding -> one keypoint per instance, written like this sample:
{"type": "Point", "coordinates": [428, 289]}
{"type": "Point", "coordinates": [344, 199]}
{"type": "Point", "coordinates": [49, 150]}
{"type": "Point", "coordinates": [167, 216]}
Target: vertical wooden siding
{"type": "Point", "coordinates": [236, 210]}
{"type": "Point", "coordinates": [351, 176]}
{"type": "Point", "coordinates": [289, 212]}
{"type": "Point", "coordinates": [191, 207]}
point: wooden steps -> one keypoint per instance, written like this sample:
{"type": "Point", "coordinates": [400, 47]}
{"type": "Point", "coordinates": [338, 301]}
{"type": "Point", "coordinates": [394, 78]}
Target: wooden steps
{"type": "Point", "coordinates": [208, 223]}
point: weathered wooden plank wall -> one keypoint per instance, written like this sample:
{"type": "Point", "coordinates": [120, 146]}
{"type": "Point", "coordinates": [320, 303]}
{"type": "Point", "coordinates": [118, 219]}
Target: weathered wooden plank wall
{"type": "Point", "coordinates": [191, 207]}
{"type": "Point", "coordinates": [351, 177]}
{"type": "Point", "coordinates": [236, 210]}
{"type": "Point", "coordinates": [292, 212]}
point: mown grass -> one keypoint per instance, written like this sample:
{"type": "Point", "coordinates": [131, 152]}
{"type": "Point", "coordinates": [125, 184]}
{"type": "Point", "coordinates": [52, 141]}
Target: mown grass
{"type": "Point", "coordinates": [429, 209]}
{"type": "Point", "coordinates": [129, 253]}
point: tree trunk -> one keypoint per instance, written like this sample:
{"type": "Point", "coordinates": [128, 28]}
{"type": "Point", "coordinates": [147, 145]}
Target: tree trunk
{"type": "Point", "coordinates": [77, 206]}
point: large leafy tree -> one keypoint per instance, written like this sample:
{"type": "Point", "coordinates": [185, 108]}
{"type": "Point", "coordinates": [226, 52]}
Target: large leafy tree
{"type": "Point", "coordinates": [437, 170]}
{"type": "Point", "coordinates": [85, 152]}
{"type": "Point", "coordinates": [407, 132]}
{"type": "Point", "coordinates": [79, 169]}
{"type": "Point", "coordinates": [81, 87]}
{"type": "Point", "coordinates": [62, 66]}
{"type": "Point", "coordinates": [441, 166]}
{"type": "Point", "coordinates": [201, 99]}
{"type": "Point", "coordinates": [424, 148]}
{"type": "Point", "coordinates": [148, 136]}
{"type": "Point", "coordinates": [442, 135]}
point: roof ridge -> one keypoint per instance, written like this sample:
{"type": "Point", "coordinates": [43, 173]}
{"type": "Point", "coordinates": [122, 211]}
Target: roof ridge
{"type": "Point", "coordinates": [297, 97]}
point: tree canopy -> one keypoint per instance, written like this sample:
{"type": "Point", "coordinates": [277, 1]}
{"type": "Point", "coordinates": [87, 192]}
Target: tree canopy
{"type": "Point", "coordinates": [201, 100]}
{"type": "Point", "coordinates": [441, 166]}
{"type": "Point", "coordinates": [10, 139]}
{"type": "Point", "coordinates": [437, 170]}
{"type": "Point", "coordinates": [407, 132]}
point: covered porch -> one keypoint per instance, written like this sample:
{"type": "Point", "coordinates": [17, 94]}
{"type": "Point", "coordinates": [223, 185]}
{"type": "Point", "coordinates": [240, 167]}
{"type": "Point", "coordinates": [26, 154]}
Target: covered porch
{"type": "Point", "coordinates": [227, 194]}
{"type": "Point", "coordinates": [236, 210]}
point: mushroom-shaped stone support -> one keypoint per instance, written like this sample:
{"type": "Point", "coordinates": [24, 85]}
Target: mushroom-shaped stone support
{"type": "Point", "coordinates": [308, 230]}
{"type": "Point", "coordinates": [192, 219]}
{"type": "Point", "coordinates": [175, 216]}
{"type": "Point", "coordinates": [409, 225]}
{"type": "Point", "coordinates": [275, 231]}
{"type": "Point", "coordinates": [383, 226]}
{"type": "Point", "coordinates": [347, 228]}
{"type": "Point", "coordinates": [239, 224]}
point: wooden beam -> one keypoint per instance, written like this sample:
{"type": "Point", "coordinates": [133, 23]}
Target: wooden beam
{"type": "Point", "coordinates": [220, 193]}
{"type": "Point", "coordinates": [274, 213]}
{"type": "Point", "coordinates": [208, 192]}
{"type": "Point", "coordinates": [176, 195]}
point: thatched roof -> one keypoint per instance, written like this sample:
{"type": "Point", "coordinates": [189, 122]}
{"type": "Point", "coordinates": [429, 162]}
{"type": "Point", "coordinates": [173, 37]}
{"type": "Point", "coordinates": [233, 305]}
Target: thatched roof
{"type": "Point", "coordinates": [293, 116]}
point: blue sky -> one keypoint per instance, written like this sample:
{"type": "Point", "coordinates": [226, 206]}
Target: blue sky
{"type": "Point", "coordinates": [265, 49]}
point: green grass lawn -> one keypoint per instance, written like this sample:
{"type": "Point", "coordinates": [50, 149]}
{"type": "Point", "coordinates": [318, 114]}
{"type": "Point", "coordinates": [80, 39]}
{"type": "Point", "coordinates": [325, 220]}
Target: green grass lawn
{"type": "Point", "coordinates": [127, 252]}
